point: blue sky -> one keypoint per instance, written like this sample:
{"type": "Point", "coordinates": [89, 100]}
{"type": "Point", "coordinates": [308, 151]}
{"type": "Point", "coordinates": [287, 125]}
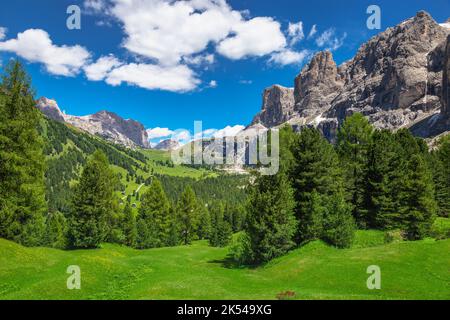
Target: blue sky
{"type": "Point", "coordinates": [169, 63]}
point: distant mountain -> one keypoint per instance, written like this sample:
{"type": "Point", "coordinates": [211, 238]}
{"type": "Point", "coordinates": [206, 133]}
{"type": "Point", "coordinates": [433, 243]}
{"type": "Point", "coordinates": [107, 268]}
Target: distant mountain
{"type": "Point", "coordinates": [397, 79]}
{"type": "Point", "coordinates": [167, 145]}
{"type": "Point", "coordinates": [105, 124]}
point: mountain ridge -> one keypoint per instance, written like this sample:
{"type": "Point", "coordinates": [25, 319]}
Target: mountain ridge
{"type": "Point", "coordinates": [396, 79]}
{"type": "Point", "coordinates": [106, 124]}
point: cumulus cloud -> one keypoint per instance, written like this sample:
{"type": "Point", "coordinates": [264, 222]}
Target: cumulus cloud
{"type": "Point", "coordinates": [35, 45]}
{"type": "Point", "coordinates": [167, 31]}
{"type": "Point", "coordinates": [213, 84]}
{"type": "Point", "coordinates": [158, 132]}
{"type": "Point", "coordinates": [3, 33]}
{"type": "Point", "coordinates": [94, 6]}
{"type": "Point", "coordinates": [288, 56]}
{"type": "Point", "coordinates": [99, 70]}
{"type": "Point", "coordinates": [177, 78]}
{"type": "Point", "coordinates": [295, 31]}
{"type": "Point", "coordinates": [228, 131]}
{"type": "Point", "coordinates": [329, 40]}
{"type": "Point", "coordinates": [256, 37]}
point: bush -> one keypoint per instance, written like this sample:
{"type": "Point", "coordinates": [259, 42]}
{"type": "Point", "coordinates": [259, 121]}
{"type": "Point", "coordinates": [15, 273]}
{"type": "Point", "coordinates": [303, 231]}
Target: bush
{"type": "Point", "coordinates": [441, 229]}
{"type": "Point", "coordinates": [394, 236]}
{"type": "Point", "coordinates": [240, 249]}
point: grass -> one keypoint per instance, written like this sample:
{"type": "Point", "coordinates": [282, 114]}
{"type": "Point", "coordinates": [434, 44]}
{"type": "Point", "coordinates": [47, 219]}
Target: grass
{"type": "Point", "coordinates": [409, 270]}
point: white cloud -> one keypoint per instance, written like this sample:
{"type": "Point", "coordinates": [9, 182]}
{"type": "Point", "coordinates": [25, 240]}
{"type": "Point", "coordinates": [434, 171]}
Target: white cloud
{"type": "Point", "coordinates": [288, 56]}
{"type": "Point", "coordinates": [213, 84]}
{"type": "Point", "coordinates": [313, 31]}
{"type": "Point", "coordinates": [295, 31]}
{"type": "Point", "coordinates": [245, 81]}
{"type": "Point", "coordinates": [329, 40]}
{"type": "Point", "coordinates": [201, 59]}
{"type": "Point", "coordinates": [167, 31]}
{"type": "Point", "coordinates": [3, 33]}
{"type": "Point", "coordinates": [228, 131]}
{"type": "Point", "coordinates": [171, 78]}
{"type": "Point", "coordinates": [325, 37]}
{"type": "Point", "coordinates": [94, 6]}
{"type": "Point", "coordinates": [35, 45]}
{"type": "Point", "coordinates": [257, 37]}
{"type": "Point", "coordinates": [99, 70]}
{"type": "Point", "coordinates": [158, 132]}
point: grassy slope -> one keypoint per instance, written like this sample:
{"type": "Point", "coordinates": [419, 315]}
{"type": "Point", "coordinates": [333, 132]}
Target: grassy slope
{"type": "Point", "coordinates": [410, 270]}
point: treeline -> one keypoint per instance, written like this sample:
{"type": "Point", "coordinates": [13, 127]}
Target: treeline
{"type": "Point", "coordinates": [371, 179]}
{"type": "Point", "coordinates": [96, 215]}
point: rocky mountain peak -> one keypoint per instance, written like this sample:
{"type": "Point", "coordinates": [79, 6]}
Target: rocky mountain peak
{"type": "Point", "coordinates": [395, 80]}
{"type": "Point", "coordinates": [167, 145]}
{"type": "Point", "coordinates": [50, 108]}
{"type": "Point", "coordinates": [446, 84]}
{"type": "Point", "coordinates": [277, 107]}
{"type": "Point", "coordinates": [317, 85]}
{"type": "Point", "coordinates": [106, 124]}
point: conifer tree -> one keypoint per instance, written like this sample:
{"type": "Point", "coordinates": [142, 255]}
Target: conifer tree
{"type": "Point", "coordinates": [94, 202]}
{"type": "Point", "coordinates": [339, 225]}
{"type": "Point", "coordinates": [383, 181]}
{"type": "Point", "coordinates": [441, 173]}
{"type": "Point", "coordinates": [22, 163]}
{"type": "Point", "coordinates": [187, 210]}
{"type": "Point", "coordinates": [56, 231]}
{"type": "Point", "coordinates": [129, 226]}
{"type": "Point", "coordinates": [221, 230]}
{"type": "Point", "coordinates": [316, 176]}
{"type": "Point", "coordinates": [271, 223]}
{"type": "Point", "coordinates": [353, 142]}
{"type": "Point", "coordinates": [155, 211]}
{"type": "Point", "coordinates": [204, 222]}
{"type": "Point", "coordinates": [418, 203]}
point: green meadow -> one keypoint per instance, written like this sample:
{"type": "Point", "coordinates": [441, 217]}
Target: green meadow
{"type": "Point", "coordinates": [409, 270]}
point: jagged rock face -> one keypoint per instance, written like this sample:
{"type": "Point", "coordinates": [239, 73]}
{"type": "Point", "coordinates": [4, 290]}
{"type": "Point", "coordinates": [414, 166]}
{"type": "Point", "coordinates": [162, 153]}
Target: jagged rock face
{"type": "Point", "coordinates": [278, 106]}
{"type": "Point", "coordinates": [50, 108]}
{"type": "Point", "coordinates": [317, 85]}
{"type": "Point", "coordinates": [395, 77]}
{"type": "Point", "coordinates": [105, 124]}
{"type": "Point", "coordinates": [446, 84]}
{"type": "Point", "coordinates": [168, 145]}
{"type": "Point", "coordinates": [395, 80]}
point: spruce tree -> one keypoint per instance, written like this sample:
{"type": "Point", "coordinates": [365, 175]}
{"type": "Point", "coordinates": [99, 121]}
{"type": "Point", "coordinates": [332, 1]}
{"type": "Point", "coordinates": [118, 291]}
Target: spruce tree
{"type": "Point", "coordinates": [155, 211]}
{"type": "Point", "coordinates": [221, 229]}
{"type": "Point", "coordinates": [94, 202]}
{"type": "Point", "coordinates": [353, 143]}
{"type": "Point", "coordinates": [204, 222]}
{"type": "Point", "coordinates": [129, 226]}
{"type": "Point", "coordinates": [22, 164]}
{"type": "Point", "coordinates": [56, 231]}
{"type": "Point", "coordinates": [339, 225]}
{"type": "Point", "coordinates": [418, 203]}
{"type": "Point", "coordinates": [383, 181]}
{"type": "Point", "coordinates": [271, 223]}
{"type": "Point", "coordinates": [441, 173]}
{"type": "Point", "coordinates": [187, 211]}
{"type": "Point", "coordinates": [316, 177]}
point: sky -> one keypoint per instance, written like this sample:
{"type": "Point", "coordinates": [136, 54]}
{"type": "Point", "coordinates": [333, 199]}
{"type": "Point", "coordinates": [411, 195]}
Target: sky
{"type": "Point", "coordinates": [169, 63]}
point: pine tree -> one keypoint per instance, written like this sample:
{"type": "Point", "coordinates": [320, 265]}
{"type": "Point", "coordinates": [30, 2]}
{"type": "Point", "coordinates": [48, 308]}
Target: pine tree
{"type": "Point", "coordinates": [339, 224]}
{"type": "Point", "coordinates": [94, 202]}
{"type": "Point", "coordinates": [187, 210]}
{"type": "Point", "coordinates": [155, 211]}
{"type": "Point", "coordinates": [353, 142]}
{"type": "Point", "coordinates": [316, 176]}
{"type": "Point", "coordinates": [271, 223]}
{"type": "Point", "coordinates": [441, 173]}
{"type": "Point", "coordinates": [204, 224]}
{"type": "Point", "coordinates": [383, 181]}
{"type": "Point", "coordinates": [56, 231]}
{"type": "Point", "coordinates": [221, 230]}
{"type": "Point", "coordinates": [22, 163]}
{"type": "Point", "coordinates": [129, 226]}
{"type": "Point", "coordinates": [418, 203]}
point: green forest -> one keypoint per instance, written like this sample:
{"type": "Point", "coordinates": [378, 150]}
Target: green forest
{"type": "Point", "coordinates": [62, 188]}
